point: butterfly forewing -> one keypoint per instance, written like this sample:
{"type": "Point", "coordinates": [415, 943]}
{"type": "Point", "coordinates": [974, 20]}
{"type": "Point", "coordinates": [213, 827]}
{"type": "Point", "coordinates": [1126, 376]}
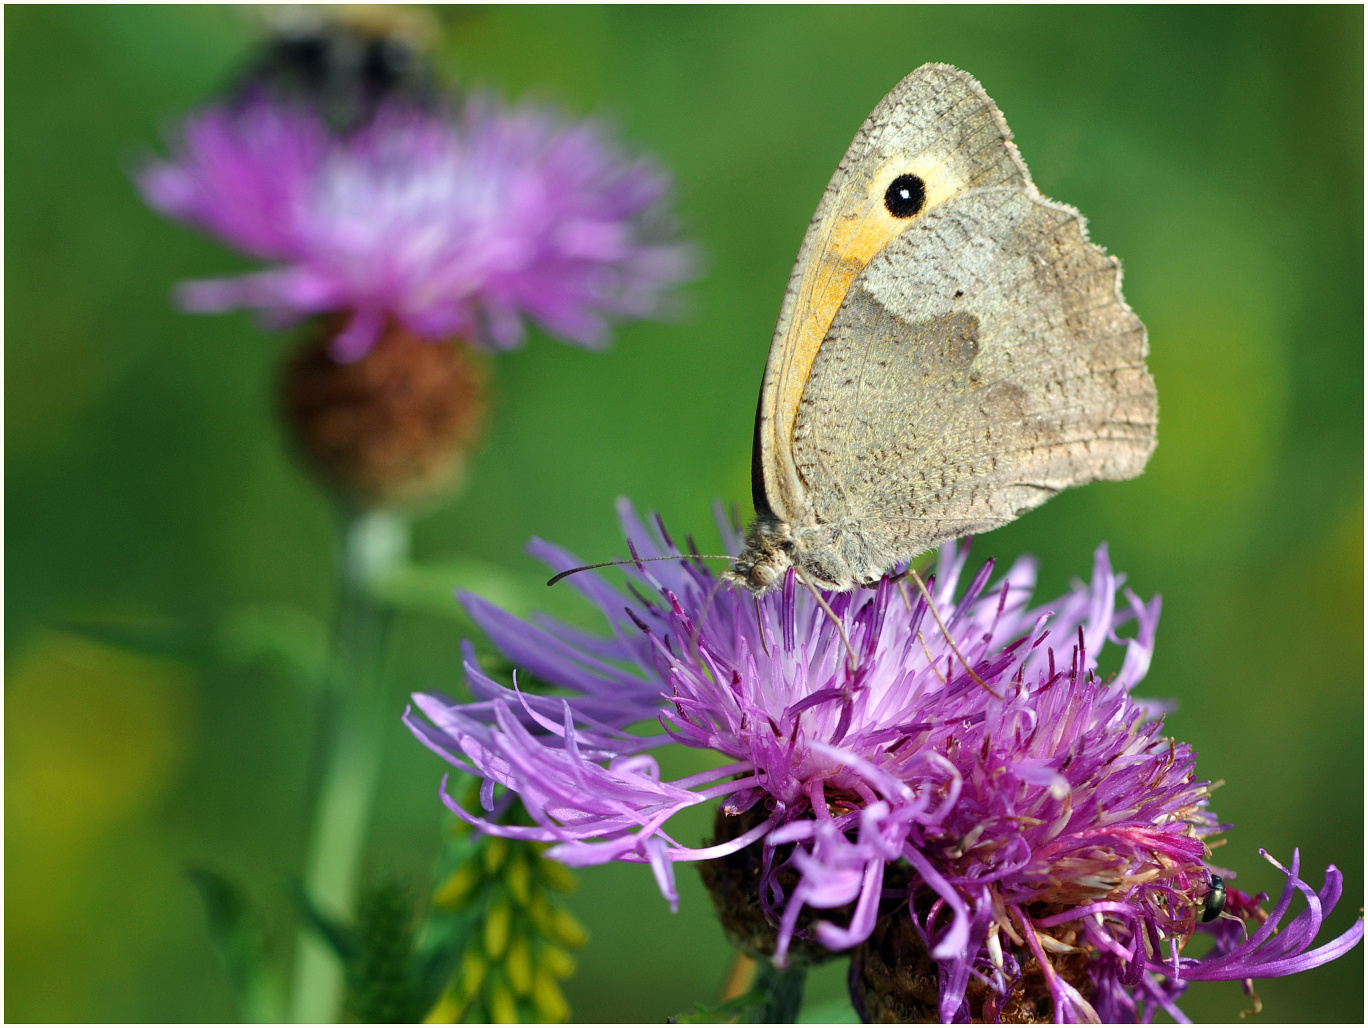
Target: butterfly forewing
{"type": "Point", "coordinates": [937, 125]}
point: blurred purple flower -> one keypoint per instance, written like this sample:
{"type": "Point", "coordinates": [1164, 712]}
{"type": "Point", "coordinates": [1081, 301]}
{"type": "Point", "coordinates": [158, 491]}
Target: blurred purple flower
{"type": "Point", "coordinates": [1035, 809]}
{"type": "Point", "coordinates": [451, 224]}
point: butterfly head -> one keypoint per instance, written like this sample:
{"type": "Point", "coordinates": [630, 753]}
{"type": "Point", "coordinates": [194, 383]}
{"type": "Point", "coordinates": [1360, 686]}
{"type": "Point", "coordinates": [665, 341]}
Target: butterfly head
{"type": "Point", "coordinates": [767, 555]}
{"type": "Point", "coordinates": [825, 556]}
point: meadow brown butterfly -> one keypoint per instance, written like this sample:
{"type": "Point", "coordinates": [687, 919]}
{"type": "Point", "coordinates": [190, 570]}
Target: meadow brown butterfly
{"type": "Point", "coordinates": [951, 351]}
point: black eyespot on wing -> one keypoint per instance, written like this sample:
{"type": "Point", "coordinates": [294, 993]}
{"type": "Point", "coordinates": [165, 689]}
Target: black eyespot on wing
{"type": "Point", "coordinates": [906, 196]}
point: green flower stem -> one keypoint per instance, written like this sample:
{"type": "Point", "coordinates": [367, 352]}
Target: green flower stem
{"type": "Point", "coordinates": [783, 990]}
{"type": "Point", "coordinates": [373, 543]}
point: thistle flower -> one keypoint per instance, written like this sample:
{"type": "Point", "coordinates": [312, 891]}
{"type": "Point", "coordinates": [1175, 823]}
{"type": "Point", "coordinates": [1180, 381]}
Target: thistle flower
{"type": "Point", "coordinates": [449, 224]}
{"type": "Point", "coordinates": [403, 219]}
{"type": "Point", "coordinates": [977, 793]}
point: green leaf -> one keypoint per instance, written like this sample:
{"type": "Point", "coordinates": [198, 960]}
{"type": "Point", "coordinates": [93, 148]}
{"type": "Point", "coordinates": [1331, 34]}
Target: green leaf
{"type": "Point", "coordinates": [742, 1008]}
{"type": "Point", "coordinates": [153, 638]}
{"type": "Point", "coordinates": [431, 587]}
{"type": "Point", "coordinates": [342, 938]}
{"type": "Point", "coordinates": [291, 641]}
{"type": "Point", "coordinates": [241, 942]}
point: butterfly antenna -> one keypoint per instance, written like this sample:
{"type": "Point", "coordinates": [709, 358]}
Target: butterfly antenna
{"type": "Point", "coordinates": [840, 629]}
{"type": "Point", "coordinates": [921, 587]}
{"type": "Point", "coordinates": [698, 622]}
{"type": "Point", "coordinates": [640, 560]}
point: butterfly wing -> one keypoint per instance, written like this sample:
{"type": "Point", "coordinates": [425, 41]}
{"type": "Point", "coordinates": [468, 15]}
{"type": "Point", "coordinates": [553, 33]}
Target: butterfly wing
{"type": "Point", "coordinates": [938, 124]}
{"type": "Point", "coordinates": [983, 361]}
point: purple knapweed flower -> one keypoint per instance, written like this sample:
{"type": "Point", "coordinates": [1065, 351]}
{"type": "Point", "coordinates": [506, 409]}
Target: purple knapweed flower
{"type": "Point", "coordinates": [458, 224]}
{"type": "Point", "coordinates": [971, 798]}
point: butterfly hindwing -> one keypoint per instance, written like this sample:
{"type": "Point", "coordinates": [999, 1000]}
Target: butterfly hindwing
{"type": "Point", "coordinates": [983, 361]}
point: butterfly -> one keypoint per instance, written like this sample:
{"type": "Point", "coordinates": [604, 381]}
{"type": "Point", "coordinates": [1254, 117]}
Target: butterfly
{"type": "Point", "coordinates": [951, 351]}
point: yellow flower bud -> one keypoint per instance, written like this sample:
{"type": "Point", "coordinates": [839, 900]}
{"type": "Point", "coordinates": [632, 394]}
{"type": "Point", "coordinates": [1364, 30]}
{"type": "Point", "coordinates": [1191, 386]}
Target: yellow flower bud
{"type": "Point", "coordinates": [518, 966]}
{"type": "Point", "coordinates": [473, 969]}
{"type": "Point", "coordinates": [518, 878]}
{"type": "Point", "coordinates": [556, 875]}
{"type": "Point", "coordinates": [566, 930]}
{"type": "Point", "coordinates": [495, 851]}
{"type": "Point", "coordinates": [497, 922]}
{"type": "Point", "coordinates": [558, 962]}
{"type": "Point", "coordinates": [548, 999]}
{"type": "Point", "coordinates": [458, 887]}
{"type": "Point", "coordinates": [540, 912]}
{"type": "Point", "coordinates": [447, 1011]}
{"type": "Point", "coordinates": [502, 1007]}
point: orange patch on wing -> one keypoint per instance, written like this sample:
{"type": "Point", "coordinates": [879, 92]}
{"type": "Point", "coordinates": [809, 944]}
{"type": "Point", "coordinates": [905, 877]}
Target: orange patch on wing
{"type": "Point", "coordinates": [857, 228]}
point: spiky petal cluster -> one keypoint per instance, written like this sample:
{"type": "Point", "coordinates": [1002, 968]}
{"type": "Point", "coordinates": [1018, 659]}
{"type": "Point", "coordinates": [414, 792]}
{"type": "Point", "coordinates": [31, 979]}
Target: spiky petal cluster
{"type": "Point", "coordinates": [460, 224]}
{"type": "Point", "coordinates": [986, 759]}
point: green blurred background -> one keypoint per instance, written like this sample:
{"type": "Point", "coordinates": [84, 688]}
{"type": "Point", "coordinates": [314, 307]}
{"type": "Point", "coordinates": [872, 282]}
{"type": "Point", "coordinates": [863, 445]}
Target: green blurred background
{"type": "Point", "coordinates": [1217, 150]}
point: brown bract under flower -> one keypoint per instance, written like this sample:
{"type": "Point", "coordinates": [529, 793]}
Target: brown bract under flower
{"type": "Point", "coordinates": [893, 979]}
{"type": "Point", "coordinates": [733, 882]}
{"type": "Point", "coordinates": [393, 428]}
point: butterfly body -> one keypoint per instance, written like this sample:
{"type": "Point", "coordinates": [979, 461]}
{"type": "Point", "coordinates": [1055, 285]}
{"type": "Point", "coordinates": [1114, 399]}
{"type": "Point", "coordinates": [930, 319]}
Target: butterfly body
{"type": "Point", "coordinates": [952, 351]}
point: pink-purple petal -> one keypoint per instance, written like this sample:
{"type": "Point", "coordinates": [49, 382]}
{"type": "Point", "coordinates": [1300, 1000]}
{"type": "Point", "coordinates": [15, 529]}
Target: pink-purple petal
{"type": "Point", "coordinates": [466, 224]}
{"type": "Point", "coordinates": [992, 798]}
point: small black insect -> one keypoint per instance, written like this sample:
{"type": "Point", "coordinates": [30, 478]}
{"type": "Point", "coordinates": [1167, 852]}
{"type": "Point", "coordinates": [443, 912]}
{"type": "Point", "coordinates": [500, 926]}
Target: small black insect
{"type": "Point", "coordinates": [1215, 899]}
{"type": "Point", "coordinates": [906, 196]}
